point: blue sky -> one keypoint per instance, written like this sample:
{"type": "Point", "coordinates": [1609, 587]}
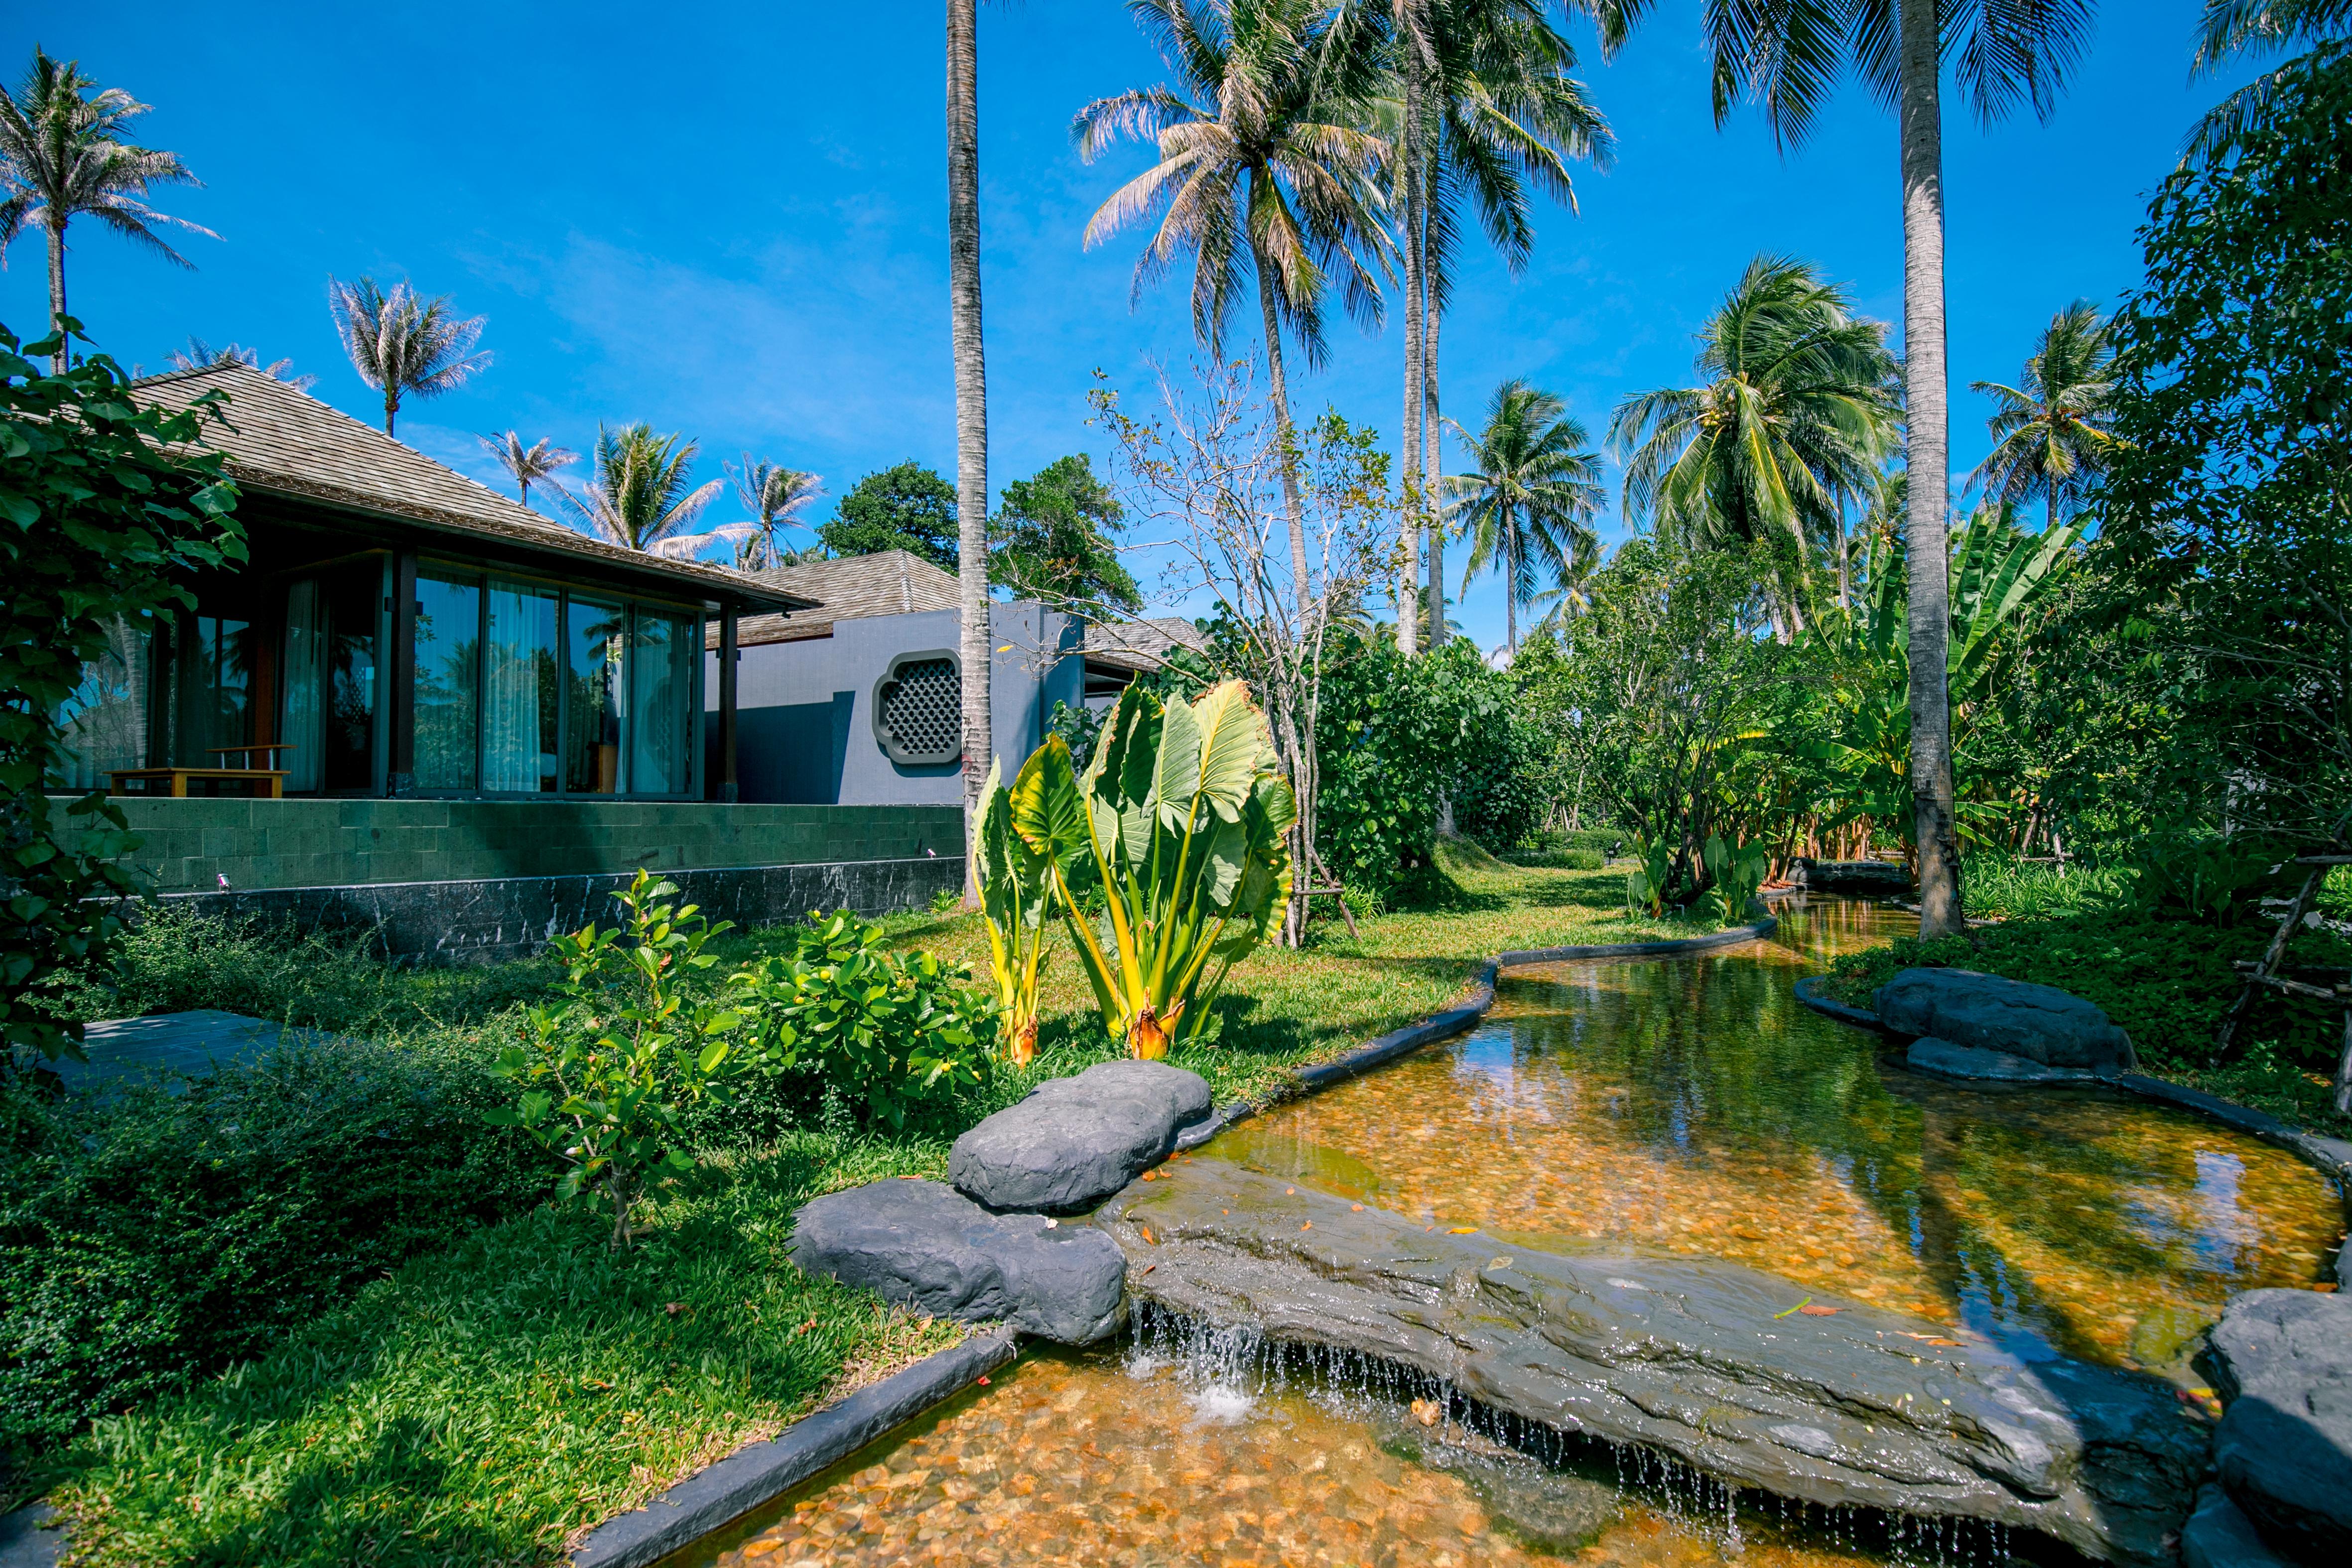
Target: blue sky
{"type": "Point", "coordinates": [730, 220]}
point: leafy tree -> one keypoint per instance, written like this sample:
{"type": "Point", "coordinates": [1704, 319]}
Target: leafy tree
{"type": "Point", "coordinates": [2227, 520]}
{"type": "Point", "coordinates": [103, 503]}
{"type": "Point", "coordinates": [1265, 167]}
{"type": "Point", "coordinates": [402, 343]}
{"type": "Point", "coordinates": [62, 156]}
{"type": "Point", "coordinates": [644, 497]}
{"type": "Point", "coordinates": [1787, 54]}
{"type": "Point", "coordinates": [905, 507]}
{"type": "Point", "coordinates": [1793, 414]}
{"type": "Point", "coordinates": [1529, 507]}
{"type": "Point", "coordinates": [542, 459]}
{"type": "Point", "coordinates": [1046, 540]}
{"type": "Point", "coordinates": [2051, 437]}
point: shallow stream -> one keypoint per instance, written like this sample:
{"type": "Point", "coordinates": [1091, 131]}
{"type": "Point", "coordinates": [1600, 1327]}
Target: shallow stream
{"type": "Point", "coordinates": [1685, 1106]}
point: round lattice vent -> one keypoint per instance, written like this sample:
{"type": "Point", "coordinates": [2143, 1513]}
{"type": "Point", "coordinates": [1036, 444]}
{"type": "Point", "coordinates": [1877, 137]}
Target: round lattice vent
{"type": "Point", "coordinates": [919, 708]}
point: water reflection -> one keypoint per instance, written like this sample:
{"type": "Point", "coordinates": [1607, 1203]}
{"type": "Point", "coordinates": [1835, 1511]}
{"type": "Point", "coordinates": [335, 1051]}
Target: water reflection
{"type": "Point", "coordinates": [1694, 1107]}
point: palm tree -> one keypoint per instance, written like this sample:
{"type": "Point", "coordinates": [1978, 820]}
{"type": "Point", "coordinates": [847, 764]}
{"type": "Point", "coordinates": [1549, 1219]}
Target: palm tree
{"type": "Point", "coordinates": [2052, 438]}
{"type": "Point", "coordinates": [201, 356]}
{"type": "Point", "coordinates": [542, 459]}
{"type": "Point", "coordinates": [1794, 413]}
{"type": "Point", "coordinates": [774, 496]}
{"type": "Point", "coordinates": [1266, 165]}
{"type": "Point", "coordinates": [642, 497]}
{"type": "Point", "coordinates": [402, 343]}
{"type": "Point", "coordinates": [1488, 110]}
{"type": "Point", "coordinates": [1788, 55]}
{"type": "Point", "coordinates": [1531, 503]}
{"type": "Point", "coordinates": [62, 156]}
{"type": "Point", "coordinates": [2232, 27]}
{"type": "Point", "coordinates": [971, 405]}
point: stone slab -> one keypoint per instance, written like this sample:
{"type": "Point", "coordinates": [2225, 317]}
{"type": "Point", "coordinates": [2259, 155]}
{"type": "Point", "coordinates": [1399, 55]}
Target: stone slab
{"type": "Point", "coordinates": [1944, 1059]}
{"type": "Point", "coordinates": [2218, 1536]}
{"type": "Point", "coordinates": [1072, 1141]}
{"type": "Point", "coordinates": [27, 1539]}
{"type": "Point", "coordinates": [1989, 1012]}
{"type": "Point", "coordinates": [2283, 1359]}
{"type": "Point", "coordinates": [1692, 1357]}
{"type": "Point", "coordinates": [752, 1476]}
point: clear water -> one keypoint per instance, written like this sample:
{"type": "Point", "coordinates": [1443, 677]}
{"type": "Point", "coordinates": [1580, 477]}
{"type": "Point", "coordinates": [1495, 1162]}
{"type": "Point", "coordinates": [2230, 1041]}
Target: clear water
{"type": "Point", "coordinates": [1689, 1106]}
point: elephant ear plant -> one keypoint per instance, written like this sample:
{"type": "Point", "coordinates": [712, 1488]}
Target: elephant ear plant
{"type": "Point", "coordinates": [1015, 891]}
{"type": "Point", "coordinates": [1181, 823]}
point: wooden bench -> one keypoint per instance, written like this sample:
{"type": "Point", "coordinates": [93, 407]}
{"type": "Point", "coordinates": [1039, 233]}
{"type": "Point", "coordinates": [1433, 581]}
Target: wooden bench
{"type": "Point", "coordinates": [177, 780]}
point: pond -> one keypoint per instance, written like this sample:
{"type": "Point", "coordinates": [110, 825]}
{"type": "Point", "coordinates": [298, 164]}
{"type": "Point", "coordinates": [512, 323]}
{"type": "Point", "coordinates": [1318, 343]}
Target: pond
{"type": "Point", "coordinates": [1687, 1106]}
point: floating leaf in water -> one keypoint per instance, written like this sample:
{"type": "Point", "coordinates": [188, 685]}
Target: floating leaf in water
{"type": "Point", "coordinates": [1812, 1312]}
{"type": "Point", "coordinates": [1463, 1230]}
{"type": "Point", "coordinates": [1791, 1311]}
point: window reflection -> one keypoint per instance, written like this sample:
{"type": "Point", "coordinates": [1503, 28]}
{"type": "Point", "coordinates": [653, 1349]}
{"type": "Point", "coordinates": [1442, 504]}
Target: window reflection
{"type": "Point", "coordinates": [598, 652]}
{"type": "Point", "coordinates": [449, 647]}
{"type": "Point", "coordinates": [519, 689]}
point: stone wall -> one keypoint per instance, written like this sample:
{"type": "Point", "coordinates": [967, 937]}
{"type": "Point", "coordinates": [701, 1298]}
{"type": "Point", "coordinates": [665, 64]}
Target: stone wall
{"type": "Point", "coordinates": [189, 845]}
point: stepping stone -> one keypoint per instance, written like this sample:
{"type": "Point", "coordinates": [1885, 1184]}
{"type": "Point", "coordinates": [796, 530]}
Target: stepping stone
{"type": "Point", "coordinates": [188, 1044]}
{"type": "Point", "coordinates": [2285, 1446]}
{"type": "Point", "coordinates": [1073, 1142]}
{"type": "Point", "coordinates": [929, 1247]}
{"type": "Point", "coordinates": [1985, 1011]}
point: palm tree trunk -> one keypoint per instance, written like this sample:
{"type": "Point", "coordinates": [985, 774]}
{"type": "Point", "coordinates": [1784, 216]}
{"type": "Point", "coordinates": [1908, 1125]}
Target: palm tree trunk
{"type": "Point", "coordinates": [1927, 459]}
{"type": "Point", "coordinates": [1415, 404]}
{"type": "Point", "coordinates": [1291, 505]}
{"type": "Point", "coordinates": [61, 360]}
{"type": "Point", "coordinates": [1511, 580]}
{"type": "Point", "coordinates": [1433, 453]}
{"type": "Point", "coordinates": [971, 405]}
{"type": "Point", "coordinates": [390, 403]}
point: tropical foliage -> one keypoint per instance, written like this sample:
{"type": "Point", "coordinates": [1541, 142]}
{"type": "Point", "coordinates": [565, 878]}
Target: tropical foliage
{"type": "Point", "coordinates": [2051, 437]}
{"type": "Point", "coordinates": [643, 495]}
{"type": "Point", "coordinates": [201, 356]}
{"type": "Point", "coordinates": [527, 465]}
{"type": "Point", "coordinates": [904, 507]}
{"type": "Point", "coordinates": [105, 505]}
{"type": "Point", "coordinates": [402, 343]}
{"type": "Point", "coordinates": [1047, 541]}
{"type": "Point", "coordinates": [1016, 892]}
{"type": "Point", "coordinates": [1531, 501]}
{"type": "Point", "coordinates": [1178, 831]}
{"type": "Point", "coordinates": [775, 496]}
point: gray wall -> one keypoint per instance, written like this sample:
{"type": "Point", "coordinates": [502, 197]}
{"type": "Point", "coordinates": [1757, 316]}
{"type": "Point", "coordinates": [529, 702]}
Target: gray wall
{"type": "Point", "coordinates": [805, 710]}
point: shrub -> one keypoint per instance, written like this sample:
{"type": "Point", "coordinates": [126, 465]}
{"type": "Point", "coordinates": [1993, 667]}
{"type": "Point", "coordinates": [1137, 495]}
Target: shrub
{"type": "Point", "coordinates": [168, 1230]}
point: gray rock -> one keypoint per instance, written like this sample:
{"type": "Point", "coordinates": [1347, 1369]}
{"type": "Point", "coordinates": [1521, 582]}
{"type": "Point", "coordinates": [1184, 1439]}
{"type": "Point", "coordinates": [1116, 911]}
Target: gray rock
{"type": "Point", "coordinates": [1945, 1059]}
{"type": "Point", "coordinates": [2284, 1358]}
{"type": "Point", "coordinates": [929, 1247]}
{"type": "Point", "coordinates": [1072, 1141]}
{"type": "Point", "coordinates": [1686, 1356]}
{"type": "Point", "coordinates": [2218, 1536]}
{"type": "Point", "coordinates": [2039, 1023]}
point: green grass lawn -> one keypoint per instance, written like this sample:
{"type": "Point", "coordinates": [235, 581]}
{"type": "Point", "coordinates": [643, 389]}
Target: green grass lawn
{"type": "Point", "coordinates": [487, 1404]}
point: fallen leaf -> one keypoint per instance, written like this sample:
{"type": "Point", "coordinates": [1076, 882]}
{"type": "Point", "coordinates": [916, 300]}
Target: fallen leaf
{"type": "Point", "coordinates": [1309, 1225]}
{"type": "Point", "coordinates": [1290, 1192]}
{"type": "Point", "coordinates": [1464, 1230]}
{"type": "Point", "coordinates": [1150, 1176]}
{"type": "Point", "coordinates": [1146, 1232]}
{"type": "Point", "coordinates": [1356, 1208]}
{"type": "Point", "coordinates": [1812, 1312]}
{"type": "Point", "coordinates": [983, 1382]}
{"type": "Point", "coordinates": [1148, 1268]}
{"type": "Point", "coordinates": [1952, 1344]}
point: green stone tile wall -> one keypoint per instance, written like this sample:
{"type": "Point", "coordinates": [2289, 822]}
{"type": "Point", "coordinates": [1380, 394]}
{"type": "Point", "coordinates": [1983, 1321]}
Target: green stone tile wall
{"type": "Point", "coordinates": [191, 844]}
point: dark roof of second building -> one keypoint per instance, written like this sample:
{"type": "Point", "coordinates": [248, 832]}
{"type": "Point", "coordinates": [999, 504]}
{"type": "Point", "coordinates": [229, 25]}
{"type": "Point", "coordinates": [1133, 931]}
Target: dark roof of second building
{"type": "Point", "coordinates": [850, 588]}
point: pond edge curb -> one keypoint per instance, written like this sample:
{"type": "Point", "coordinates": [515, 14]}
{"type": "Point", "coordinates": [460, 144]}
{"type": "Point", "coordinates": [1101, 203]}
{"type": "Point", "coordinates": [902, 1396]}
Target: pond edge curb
{"type": "Point", "coordinates": [757, 1474]}
{"type": "Point", "coordinates": [2332, 1157]}
{"type": "Point", "coordinates": [1456, 1019]}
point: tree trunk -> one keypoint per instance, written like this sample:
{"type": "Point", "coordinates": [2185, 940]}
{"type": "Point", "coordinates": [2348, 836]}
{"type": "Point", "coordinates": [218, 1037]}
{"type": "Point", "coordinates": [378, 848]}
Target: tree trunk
{"type": "Point", "coordinates": [1291, 505]}
{"type": "Point", "coordinates": [1927, 459]}
{"type": "Point", "coordinates": [390, 403]}
{"type": "Point", "coordinates": [61, 360]}
{"type": "Point", "coordinates": [1433, 453]}
{"type": "Point", "coordinates": [1415, 404]}
{"type": "Point", "coordinates": [1511, 580]}
{"type": "Point", "coordinates": [972, 406]}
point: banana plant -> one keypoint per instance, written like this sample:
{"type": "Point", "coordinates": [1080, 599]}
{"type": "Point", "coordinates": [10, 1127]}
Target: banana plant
{"type": "Point", "coordinates": [1015, 891]}
{"type": "Point", "coordinates": [1181, 827]}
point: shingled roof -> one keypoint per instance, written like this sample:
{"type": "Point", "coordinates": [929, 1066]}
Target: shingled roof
{"type": "Point", "coordinates": [886, 583]}
{"type": "Point", "coordinates": [282, 440]}
{"type": "Point", "coordinates": [1141, 644]}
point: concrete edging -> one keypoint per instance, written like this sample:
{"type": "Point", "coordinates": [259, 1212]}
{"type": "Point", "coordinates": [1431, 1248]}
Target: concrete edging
{"type": "Point", "coordinates": [1453, 1020]}
{"type": "Point", "coordinates": [2332, 1157]}
{"type": "Point", "coordinates": [717, 1496]}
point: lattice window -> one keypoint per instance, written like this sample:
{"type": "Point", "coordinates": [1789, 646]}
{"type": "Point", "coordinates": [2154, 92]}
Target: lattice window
{"type": "Point", "coordinates": [919, 708]}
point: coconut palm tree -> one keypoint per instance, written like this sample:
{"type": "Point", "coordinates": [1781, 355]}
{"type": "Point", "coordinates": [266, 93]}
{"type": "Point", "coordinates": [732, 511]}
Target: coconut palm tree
{"type": "Point", "coordinates": [2234, 28]}
{"type": "Point", "coordinates": [63, 156]}
{"type": "Point", "coordinates": [542, 459]}
{"type": "Point", "coordinates": [1488, 110]}
{"type": "Point", "coordinates": [643, 498]}
{"type": "Point", "coordinates": [402, 343]}
{"type": "Point", "coordinates": [1794, 413]}
{"type": "Point", "coordinates": [1265, 168]}
{"type": "Point", "coordinates": [1530, 505]}
{"type": "Point", "coordinates": [2051, 439]}
{"type": "Point", "coordinates": [1787, 54]}
{"type": "Point", "coordinates": [775, 496]}
{"type": "Point", "coordinates": [201, 356]}
{"type": "Point", "coordinates": [971, 404]}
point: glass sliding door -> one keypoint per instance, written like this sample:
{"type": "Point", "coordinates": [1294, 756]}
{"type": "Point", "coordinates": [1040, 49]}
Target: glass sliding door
{"type": "Point", "coordinates": [105, 720]}
{"type": "Point", "coordinates": [596, 648]}
{"type": "Point", "coordinates": [346, 749]}
{"type": "Point", "coordinates": [301, 723]}
{"type": "Point", "coordinates": [664, 651]}
{"type": "Point", "coordinates": [520, 687]}
{"type": "Point", "coordinates": [215, 673]}
{"type": "Point", "coordinates": [448, 679]}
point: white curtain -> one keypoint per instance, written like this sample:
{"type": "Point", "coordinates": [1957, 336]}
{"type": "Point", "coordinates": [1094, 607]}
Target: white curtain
{"type": "Point", "coordinates": [305, 680]}
{"type": "Point", "coordinates": [105, 720]}
{"type": "Point", "coordinates": [518, 690]}
{"type": "Point", "coordinates": [660, 688]}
